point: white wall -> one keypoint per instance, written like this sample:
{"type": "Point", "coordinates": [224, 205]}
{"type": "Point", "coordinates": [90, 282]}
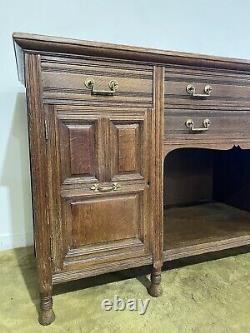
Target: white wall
{"type": "Point", "coordinates": [204, 26]}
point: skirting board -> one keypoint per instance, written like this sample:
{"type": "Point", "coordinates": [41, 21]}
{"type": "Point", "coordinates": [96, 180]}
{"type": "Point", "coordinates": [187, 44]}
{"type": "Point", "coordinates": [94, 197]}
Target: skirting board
{"type": "Point", "coordinates": [11, 241]}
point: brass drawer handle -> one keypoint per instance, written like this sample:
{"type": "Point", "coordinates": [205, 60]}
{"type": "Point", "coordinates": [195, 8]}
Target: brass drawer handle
{"type": "Point", "coordinates": [190, 125]}
{"type": "Point", "coordinates": [113, 86]}
{"type": "Point", "coordinates": [191, 91]}
{"type": "Point", "coordinates": [99, 188]}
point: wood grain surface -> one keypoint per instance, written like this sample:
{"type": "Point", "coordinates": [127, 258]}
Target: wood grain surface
{"type": "Point", "coordinates": [99, 180]}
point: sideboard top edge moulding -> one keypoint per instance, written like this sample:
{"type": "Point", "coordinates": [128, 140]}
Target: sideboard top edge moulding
{"type": "Point", "coordinates": [40, 43]}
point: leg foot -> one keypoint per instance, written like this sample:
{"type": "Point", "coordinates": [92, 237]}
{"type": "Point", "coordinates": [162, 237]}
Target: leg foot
{"type": "Point", "coordinates": [155, 288]}
{"type": "Point", "coordinates": [47, 315]}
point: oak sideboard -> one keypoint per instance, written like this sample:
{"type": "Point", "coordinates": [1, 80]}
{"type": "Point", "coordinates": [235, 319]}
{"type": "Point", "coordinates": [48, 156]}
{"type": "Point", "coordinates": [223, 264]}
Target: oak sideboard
{"type": "Point", "coordinates": [138, 157]}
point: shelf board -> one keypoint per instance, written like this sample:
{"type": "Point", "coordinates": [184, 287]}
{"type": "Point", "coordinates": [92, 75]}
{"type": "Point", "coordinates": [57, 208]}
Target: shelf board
{"type": "Point", "coordinates": [204, 228]}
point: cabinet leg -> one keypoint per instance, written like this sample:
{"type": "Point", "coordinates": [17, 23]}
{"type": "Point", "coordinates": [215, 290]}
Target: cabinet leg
{"type": "Point", "coordinates": [47, 315]}
{"type": "Point", "coordinates": [155, 288]}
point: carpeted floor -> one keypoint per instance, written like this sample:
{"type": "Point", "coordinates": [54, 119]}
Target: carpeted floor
{"type": "Point", "coordinates": [212, 296]}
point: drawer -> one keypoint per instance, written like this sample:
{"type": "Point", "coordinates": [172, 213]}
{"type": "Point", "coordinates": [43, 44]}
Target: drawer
{"type": "Point", "coordinates": [87, 82]}
{"type": "Point", "coordinates": [211, 126]}
{"type": "Point", "coordinates": [206, 89]}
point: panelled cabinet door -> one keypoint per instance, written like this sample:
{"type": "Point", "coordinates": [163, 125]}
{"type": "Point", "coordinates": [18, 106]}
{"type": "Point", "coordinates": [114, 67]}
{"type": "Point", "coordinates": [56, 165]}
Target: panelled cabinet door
{"type": "Point", "coordinates": [100, 193]}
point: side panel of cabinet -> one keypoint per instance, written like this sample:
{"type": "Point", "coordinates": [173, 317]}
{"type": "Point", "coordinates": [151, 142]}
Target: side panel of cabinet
{"type": "Point", "coordinates": [92, 150]}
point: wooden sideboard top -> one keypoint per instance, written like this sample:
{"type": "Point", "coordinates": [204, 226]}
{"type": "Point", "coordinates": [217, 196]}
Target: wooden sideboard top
{"type": "Point", "coordinates": [47, 44]}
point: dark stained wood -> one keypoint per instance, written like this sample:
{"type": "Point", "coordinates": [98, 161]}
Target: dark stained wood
{"type": "Point", "coordinates": [225, 125]}
{"type": "Point", "coordinates": [232, 184]}
{"type": "Point", "coordinates": [103, 219]}
{"type": "Point", "coordinates": [204, 228]}
{"type": "Point", "coordinates": [87, 130]}
{"type": "Point", "coordinates": [157, 182]}
{"type": "Point", "coordinates": [128, 146]}
{"type": "Point", "coordinates": [37, 141]}
{"type": "Point", "coordinates": [82, 159]}
{"type": "Point", "coordinates": [218, 182]}
{"type": "Point", "coordinates": [230, 89]}
{"type": "Point", "coordinates": [97, 159]}
{"type": "Point", "coordinates": [45, 44]}
{"type": "Point", "coordinates": [99, 226]}
{"type": "Point", "coordinates": [64, 79]}
{"type": "Point", "coordinates": [188, 176]}
{"type": "Point", "coordinates": [128, 158]}
{"type": "Point", "coordinates": [77, 148]}
{"type": "Point", "coordinates": [101, 269]}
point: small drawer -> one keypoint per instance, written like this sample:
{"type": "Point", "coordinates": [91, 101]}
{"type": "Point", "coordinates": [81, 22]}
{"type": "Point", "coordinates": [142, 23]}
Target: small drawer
{"type": "Point", "coordinates": [96, 82]}
{"type": "Point", "coordinates": [211, 126]}
{"type": "Point", "coordinates": [206, 89]}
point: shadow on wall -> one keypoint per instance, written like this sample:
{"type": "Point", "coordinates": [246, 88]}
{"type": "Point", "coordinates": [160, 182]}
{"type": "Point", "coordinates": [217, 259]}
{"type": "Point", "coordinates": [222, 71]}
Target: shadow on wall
{"type": "Point", "coordinates": [16, 177]}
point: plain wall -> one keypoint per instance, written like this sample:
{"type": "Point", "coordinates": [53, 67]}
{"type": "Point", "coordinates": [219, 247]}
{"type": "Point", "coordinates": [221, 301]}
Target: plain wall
{"type": "Point", "coordinates": [203, 26]}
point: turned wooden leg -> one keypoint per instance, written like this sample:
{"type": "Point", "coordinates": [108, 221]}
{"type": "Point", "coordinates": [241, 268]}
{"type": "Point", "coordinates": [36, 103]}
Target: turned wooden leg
{"type": "Point", "coordinates": [155, 288]}
{"type": "Point", "coordinates": [47, 315]}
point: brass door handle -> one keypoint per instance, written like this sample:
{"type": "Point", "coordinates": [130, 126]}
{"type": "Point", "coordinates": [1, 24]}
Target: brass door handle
{"type": "Point", "coordinates": [100, 188]}
{"type": "Point", "coordinates": [113, 86]}
{"type": "Point", "coordinates": [191, 91]}
{"type": "Point", "coordinates": [190, 125]}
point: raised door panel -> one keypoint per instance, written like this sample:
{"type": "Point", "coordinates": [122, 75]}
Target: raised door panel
{"type": "Point", "coordinates": [82, 150]}
{"type": "Point", "coordinates": [78, 142]}
{"type": "Point", "coordinates": [78, 149]}
{"type": "Point", "coordinates": [128, 144]}
{"type": "Point", "coordinates": [106, 219]}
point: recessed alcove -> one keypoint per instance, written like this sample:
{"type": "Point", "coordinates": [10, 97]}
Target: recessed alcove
{"type": "Point", "coordinates": [206, 200]}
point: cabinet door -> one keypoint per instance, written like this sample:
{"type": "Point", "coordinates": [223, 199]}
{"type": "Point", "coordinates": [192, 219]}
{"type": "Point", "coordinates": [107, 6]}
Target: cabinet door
{"type": "Point", "coordinates": [99, 193]}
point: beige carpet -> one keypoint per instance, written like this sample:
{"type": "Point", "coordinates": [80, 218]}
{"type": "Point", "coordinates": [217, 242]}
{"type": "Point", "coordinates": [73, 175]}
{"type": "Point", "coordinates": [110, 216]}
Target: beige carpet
{"type": "Point", "coordinates": [206, 297]}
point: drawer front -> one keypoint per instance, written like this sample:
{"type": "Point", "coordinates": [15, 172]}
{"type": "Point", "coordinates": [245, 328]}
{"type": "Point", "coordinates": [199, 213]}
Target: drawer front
{"type": "Point", "coordinates": [211, 126]}
{"type": "Point", "coordinates": [85, 81]}
{"type": "Point", "coordinates": [206, 89]}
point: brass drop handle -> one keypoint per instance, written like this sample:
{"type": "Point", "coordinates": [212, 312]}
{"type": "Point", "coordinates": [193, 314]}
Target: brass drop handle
{"type": "Point", "coordinates": [191, 91]}
{"type": "Point", "coordinates": [100, 188]}
{"type": "Point", "coordinates": [190, 125]}
{"type": "Point", "coordinates": [113, 86]}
